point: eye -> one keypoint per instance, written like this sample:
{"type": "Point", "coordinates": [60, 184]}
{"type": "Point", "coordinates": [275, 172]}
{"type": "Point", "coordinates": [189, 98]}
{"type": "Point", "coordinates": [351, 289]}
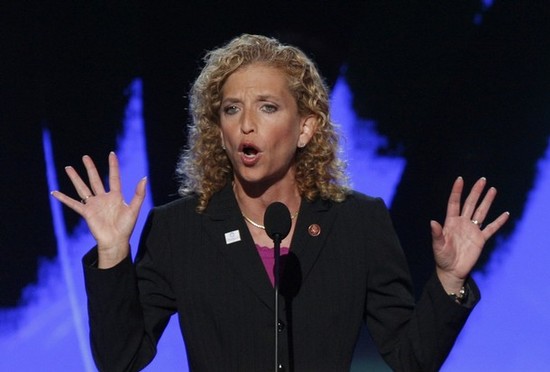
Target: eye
{"type": "Point", "coordinates": [230, 110]}
{"type": "Point", "coordinates": [269, 108]}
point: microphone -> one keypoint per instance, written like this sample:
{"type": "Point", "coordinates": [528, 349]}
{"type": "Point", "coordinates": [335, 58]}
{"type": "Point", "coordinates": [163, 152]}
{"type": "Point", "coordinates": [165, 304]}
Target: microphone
{"type": "Point", "coordinates": [277, 224]}
{"type": "Point", "coordinates": [277, 221]}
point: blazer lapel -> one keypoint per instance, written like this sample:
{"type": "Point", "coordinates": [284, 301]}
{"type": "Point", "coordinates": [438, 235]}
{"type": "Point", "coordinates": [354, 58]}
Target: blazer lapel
{"type": "Point", "coordinates": [313, 227]}
{"type": "Point", "coordinates": [224, 218]}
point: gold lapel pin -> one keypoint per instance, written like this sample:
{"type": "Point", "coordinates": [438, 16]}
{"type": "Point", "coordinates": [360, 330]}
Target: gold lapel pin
{"type": "Point", "coordinates": [314, 229]}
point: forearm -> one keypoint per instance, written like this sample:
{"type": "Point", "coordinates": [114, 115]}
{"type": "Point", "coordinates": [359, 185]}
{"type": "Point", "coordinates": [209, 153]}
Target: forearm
{"type": "Point", "coordinates": [117, 329]}
{"type": "Point", "coordinates": [436, 322]}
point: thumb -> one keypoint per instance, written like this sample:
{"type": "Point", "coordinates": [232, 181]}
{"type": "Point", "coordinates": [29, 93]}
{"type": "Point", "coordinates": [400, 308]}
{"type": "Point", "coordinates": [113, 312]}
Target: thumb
{"type": "Point", "coordinates": [139, 195]}
{"type": "Point", "coordinates": [437, 233]}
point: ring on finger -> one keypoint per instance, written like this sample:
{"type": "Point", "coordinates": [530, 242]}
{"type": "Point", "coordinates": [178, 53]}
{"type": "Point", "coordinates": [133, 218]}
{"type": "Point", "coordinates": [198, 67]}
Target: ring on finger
{"type": "Point", "coordinates": [477, 223]}
{"type": "Point", "coordinates": [85, 199]}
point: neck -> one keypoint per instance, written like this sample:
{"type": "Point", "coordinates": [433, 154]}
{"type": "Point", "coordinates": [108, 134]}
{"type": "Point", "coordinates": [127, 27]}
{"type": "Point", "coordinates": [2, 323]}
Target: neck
{"type": "Point", "coordinates": [253, 200]}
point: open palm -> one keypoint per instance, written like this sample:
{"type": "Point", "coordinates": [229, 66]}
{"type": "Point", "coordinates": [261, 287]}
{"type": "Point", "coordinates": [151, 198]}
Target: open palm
{"type": "Point", "coordinates": [458, 244]}
{"type": "Point", "coordinates": [110, 219]}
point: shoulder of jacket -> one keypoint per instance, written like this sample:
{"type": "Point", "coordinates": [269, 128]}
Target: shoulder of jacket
{"type": "Point", "coordinates": [182, 204]}
{"type": "Point", "coordinates": [361, 199]}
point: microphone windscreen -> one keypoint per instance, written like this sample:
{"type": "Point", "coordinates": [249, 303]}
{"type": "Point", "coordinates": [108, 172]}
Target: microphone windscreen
{"type": "Point", "coordinates": [277, 221]}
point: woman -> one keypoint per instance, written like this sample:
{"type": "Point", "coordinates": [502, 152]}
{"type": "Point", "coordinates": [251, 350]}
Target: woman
{"type": "Point", "coordinates": [261, 133]}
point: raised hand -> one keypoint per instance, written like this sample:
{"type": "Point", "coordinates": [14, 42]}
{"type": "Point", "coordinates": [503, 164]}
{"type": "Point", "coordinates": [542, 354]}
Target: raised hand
{"type": "Point", "coordinates": [457, 244]}
{"type": "Point", "coordinates": [110, 220]}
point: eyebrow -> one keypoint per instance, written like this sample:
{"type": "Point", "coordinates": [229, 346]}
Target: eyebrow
{"type": "Point", "coordinates": [266, 97]}
{"type": "Point", "coordinates": [261, 97]}
{"type": "Point", "coordinates": [230, 100]}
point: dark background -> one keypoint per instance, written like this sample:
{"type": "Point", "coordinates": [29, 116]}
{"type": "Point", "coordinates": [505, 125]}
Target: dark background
{"type": "Point", "coordinates": [458, 90]}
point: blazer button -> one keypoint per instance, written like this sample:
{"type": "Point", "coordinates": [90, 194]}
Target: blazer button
{"type": "Point", "coordinates": [280, 326]}
{"type": "Point", "coordinates": [281, 368]}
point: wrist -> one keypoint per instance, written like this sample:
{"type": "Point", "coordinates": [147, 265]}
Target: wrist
{"type": "Point", "coordinates": [112, 256]}
{"type": "Point", "coordinates": [460, 296]}
{"type": "Point", "coordinates": [450, 282]}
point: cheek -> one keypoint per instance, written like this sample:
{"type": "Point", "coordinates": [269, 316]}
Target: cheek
{"type": "Point", "coordinates": [285, 141]}
{"type": "Point", "coordinates": [226, 133]}
{"type": "Point", "coordinates": [292, 134]}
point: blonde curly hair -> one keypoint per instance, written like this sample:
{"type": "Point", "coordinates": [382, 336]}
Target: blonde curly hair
{"type": "Point", "coordinates": [204, 167]}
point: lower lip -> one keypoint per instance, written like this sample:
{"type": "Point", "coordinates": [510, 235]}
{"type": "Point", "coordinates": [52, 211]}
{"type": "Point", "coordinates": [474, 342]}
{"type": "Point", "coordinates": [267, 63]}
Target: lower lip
{"type": "Point", "coordinates": [250, 161]}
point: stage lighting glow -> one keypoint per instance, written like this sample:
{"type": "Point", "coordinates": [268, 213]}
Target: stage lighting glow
{"type": "Point", "coordinates": [506, 332]}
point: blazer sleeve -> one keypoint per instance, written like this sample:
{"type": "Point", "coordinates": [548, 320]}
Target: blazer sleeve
{"type": "Point", "coordinates": [129, 308]}
{"type": "Point", "coordinates": [409, 336]}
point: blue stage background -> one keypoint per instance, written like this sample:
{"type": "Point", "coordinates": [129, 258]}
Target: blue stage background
{"type": "Point", "coordinates": [422, 94]}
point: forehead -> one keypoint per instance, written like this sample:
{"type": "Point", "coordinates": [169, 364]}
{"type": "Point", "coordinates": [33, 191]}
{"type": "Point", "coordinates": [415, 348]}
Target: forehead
{"type": "Point", "coordinates": [257, 77]}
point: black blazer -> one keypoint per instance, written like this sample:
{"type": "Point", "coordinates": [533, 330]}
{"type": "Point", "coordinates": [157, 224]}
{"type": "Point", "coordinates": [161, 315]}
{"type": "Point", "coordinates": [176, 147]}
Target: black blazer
{"type": "Point", "coordinates": [205, 267]}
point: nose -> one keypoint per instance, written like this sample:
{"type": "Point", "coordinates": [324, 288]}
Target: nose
{"type": "Point", "coordinates": [248, 122]}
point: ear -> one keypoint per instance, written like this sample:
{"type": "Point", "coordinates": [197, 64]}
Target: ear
{"type": "Point", "coordinates": [308, 127]}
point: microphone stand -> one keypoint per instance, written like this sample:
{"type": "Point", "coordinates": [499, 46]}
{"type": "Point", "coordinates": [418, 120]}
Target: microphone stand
{"type": "Point", "coordinates": [277, 256]}
{"type": "Point", "coordinates": [277, 223]}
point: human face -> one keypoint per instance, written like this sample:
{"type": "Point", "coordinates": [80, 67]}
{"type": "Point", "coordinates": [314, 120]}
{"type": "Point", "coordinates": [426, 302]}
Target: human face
{"type": "Point", "coordinates": [260, 125]}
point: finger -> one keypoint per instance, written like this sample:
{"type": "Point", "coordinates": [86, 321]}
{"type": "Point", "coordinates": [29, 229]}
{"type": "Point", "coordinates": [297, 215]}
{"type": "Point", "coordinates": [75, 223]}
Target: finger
{"type": "Point", "coordinates": [93, 176]}
{"type": "Point", "coordinates": [453, 205]}
{"type": "Point", "coordinates": [114, 173]}
{"type": "Point", "coordinates": [80, 186]}
{"type": "Point", "coordinates": [483, 209]}
{"type": "Point", "coordinates": [139, 195]}
{"type": "Point", "coordinates": [437, 231]}
{"type": "Point", "coordinates": [494, 226]}
{"type": "Point", "coordinates": [68, 201]}
{"type": "Point", "coordinates": [470, 203]}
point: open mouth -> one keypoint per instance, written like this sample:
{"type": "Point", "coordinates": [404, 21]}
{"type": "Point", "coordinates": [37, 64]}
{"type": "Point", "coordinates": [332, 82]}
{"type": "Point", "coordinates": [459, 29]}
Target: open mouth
{"type": "Point", "coordinates": [250, 154]}
{"type": "Point", "coordinates": [249, 150]}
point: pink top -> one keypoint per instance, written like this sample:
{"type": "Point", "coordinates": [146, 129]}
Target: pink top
{"type": "Point", "coordinates": [268, 259]}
